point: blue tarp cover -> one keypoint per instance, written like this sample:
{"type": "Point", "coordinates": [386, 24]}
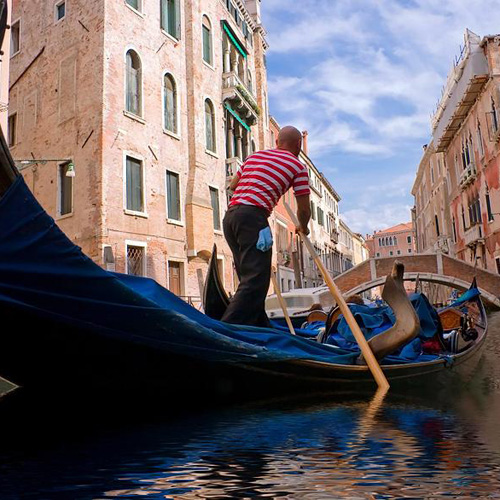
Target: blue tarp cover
{"type": "Point", "coordinates": [43, 272]}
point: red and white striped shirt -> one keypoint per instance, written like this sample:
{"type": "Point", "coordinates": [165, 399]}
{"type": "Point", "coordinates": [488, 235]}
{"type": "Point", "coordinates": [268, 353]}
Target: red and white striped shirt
{"type": "Point", "coordinates": [266, 176]}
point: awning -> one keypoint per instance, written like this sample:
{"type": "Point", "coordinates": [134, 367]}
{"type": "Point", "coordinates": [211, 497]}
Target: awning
{"type": "Point", "coordinates": [239, 47]}
{"type": "Point", "coordinates": [236, 115]}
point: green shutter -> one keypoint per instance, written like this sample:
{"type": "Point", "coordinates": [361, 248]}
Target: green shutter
{"type": "Point", "coordinates": [207, 46]}
{"type": "Point", "coordinates": [134, 185]}
{"type": "Point", "coordinates": [214, 199]}
{"type": "Point", "coordinates": [173, 197]}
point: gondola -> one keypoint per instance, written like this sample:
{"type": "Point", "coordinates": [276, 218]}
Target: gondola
{"type": "Point", "coordinates": [66, 322]}
{"type": "Point", "coordinates": [73, 323]}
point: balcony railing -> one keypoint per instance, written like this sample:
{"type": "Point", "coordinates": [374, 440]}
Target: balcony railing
{"type": "Point", "coordinates": [232, 166]}
{"type": "Point", "coordinates": [473, 235]}
{"type": "Point", "coordinates": [334, 236]}
{"type": "Point", "coordinates": [468, 175]}
{"type": "Point", "coordinates": [241, 99]}
{"type": "Point", "coordinates": [465, 83]}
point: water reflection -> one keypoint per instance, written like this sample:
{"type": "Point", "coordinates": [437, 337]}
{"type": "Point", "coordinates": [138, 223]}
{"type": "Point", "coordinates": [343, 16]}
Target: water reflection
{"type": "Point", "coordinates": [442, 445]}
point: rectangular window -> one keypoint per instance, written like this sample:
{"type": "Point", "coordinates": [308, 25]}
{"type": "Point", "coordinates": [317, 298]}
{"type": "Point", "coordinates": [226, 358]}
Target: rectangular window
{"type": "Point", "coordinates": [134, 185]}
{"type": "Point", "coordinates": [170, 16]}
{"type": "Point", "coordinates": [408, 239]}
{"type": "Point", "coordinates": [174, 277]}
{"type": "Point", "coordinates": [173, 197]}
{"type": "Point", "coordinates": [65, 190]}
{"type": "Point", "coordinates": [136, 260]}
{"type": "Point", "coordinates": [15, 38]}
{"type": "Point", "coordinates": [313, 211]}
{"type": "Point", "coordinates": [488, 206]}
{"type": "Point", "coordinates": [321, 220]}
{"type": "Point", "coordinates": [12, 129]}
{"type": "Point", "coordinates": [60, 10]}
{"type": "Point", "coordinates": [135, 4]}
{"type": "Point", "coordinates": [409, 250]}
{"type": "Point", "coordinates": [214, 200]}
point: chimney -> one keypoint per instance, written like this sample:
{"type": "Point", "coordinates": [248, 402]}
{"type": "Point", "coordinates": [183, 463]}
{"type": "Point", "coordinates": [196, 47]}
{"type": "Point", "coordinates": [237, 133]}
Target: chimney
{"type": "Point", "coordinates": [304, 142]}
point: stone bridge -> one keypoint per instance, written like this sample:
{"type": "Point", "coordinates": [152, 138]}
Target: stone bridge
{"type": "Point", "coordinates": [436, 268]}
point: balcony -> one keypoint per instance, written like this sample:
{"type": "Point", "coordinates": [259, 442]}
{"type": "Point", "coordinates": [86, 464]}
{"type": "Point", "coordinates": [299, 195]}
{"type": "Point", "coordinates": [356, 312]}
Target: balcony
{"type": "Point", "coordinates": [240, 98]}
{"type": "Point", "coordinates": [473, 235]}
{"type": "Point", "coordinates": [334, 236]}
{"type": "Point", "coordinates": [464, 84]}
{"type": "Point", "coordinates": [232, 166]}
{"type": "Point", "coordinates": [468, 175]}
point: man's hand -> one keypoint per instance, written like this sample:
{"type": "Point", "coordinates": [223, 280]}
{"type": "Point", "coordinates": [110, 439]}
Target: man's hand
{"type": "Point", "coordinates": [303, 214]}
{"type": "Point", "coordinates": [299, 229]}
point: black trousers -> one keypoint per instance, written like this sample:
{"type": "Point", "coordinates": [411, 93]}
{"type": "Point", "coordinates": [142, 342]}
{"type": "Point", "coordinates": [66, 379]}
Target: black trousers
{"type": "Point", "coordinates": [242, 225]}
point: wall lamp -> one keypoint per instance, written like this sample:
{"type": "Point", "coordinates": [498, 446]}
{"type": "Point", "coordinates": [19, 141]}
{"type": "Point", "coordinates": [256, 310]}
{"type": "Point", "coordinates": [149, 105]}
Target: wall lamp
{"type": "Point", "coordinates": [22, 164]}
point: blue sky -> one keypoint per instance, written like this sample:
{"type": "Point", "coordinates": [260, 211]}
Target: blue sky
{"type": "Point", "coordinates": [363, 77]}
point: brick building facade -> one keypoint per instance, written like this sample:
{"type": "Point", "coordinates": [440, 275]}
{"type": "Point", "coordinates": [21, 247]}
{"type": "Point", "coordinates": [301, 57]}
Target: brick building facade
{"type": "Point", "coordinates": [152, 105]}
{"type": "Point", "coordinates": [457, 189]}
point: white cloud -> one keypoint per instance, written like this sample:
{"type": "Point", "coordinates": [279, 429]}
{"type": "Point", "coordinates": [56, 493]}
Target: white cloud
{"type": "Point", "coordinates": [363, 77]}
{"type": "Point", "coordinates": [366, 220]}
{"type": "Point", "coordinates": [361, 53]}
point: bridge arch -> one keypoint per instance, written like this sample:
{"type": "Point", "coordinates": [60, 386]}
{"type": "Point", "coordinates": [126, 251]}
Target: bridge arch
{"type": "Point", "coordinates": [435, 268]}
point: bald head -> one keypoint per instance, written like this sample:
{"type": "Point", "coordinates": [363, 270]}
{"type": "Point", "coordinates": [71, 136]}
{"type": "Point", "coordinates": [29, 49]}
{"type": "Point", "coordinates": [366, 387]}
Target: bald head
{"type": "Point", "coordinates": [290, 139]}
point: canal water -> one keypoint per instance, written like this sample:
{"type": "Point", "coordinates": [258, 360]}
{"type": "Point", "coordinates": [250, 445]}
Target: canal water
{"type": "Point", "coordinates": [439, 444]}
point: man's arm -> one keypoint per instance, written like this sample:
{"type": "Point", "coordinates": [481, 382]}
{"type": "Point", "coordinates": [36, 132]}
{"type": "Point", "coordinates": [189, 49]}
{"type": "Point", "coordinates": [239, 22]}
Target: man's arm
{"type": "Point", "coordinates": [234, 182]}
{"type": "Point", "coordinates": [303, 213]}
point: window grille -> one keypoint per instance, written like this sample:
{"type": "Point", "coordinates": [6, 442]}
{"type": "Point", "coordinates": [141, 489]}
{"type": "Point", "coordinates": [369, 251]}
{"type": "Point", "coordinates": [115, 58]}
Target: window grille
{"type": "Point", "coordinates": [135, 260]}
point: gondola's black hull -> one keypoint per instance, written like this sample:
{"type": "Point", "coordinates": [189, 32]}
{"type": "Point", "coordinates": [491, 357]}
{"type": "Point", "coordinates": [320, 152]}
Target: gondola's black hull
{"type": "Point", "coordinates": [49, 355]}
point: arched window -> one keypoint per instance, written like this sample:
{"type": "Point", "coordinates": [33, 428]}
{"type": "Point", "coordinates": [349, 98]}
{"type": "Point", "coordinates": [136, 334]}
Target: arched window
{"type": "Point", "coordinates": [170, 104]}
{"type": "Point", "coordinates": [207, 40]}
{"type": "Point", "coordinates": [133, 85]}
{"type": "Point", "coordinates": [209, 126]}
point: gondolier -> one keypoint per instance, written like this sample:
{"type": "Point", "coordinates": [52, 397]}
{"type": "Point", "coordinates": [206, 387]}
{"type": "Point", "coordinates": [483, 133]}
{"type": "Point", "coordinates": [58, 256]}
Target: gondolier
{"type": "Point", "coordinates": [258, 185]}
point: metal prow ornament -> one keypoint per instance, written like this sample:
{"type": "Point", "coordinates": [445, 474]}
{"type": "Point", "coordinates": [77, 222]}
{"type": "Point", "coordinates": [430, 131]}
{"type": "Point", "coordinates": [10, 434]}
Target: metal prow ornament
{"type": "Point", "coordinates": [407, 324]}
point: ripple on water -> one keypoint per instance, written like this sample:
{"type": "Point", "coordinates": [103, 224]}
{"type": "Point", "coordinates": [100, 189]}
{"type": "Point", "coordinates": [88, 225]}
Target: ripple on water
{"type": "Point", "coordinates": [443, 446]}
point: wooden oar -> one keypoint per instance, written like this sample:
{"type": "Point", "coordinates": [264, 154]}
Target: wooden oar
{"type": "Point", "coordinates": [370, 359]}
{"type": "Point", "coordinates": [282, 302]}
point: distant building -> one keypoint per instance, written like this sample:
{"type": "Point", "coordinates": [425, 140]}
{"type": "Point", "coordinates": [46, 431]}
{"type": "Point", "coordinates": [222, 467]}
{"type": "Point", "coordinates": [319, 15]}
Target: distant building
{"type": "Point", "coordinates": [360, 249]}
{"type": "Point", "coordinates": [295, 267]}
{"type": "Point", "coordinates": [433, 228]}
{"type": "Point", "coordinates": [395, 241]}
